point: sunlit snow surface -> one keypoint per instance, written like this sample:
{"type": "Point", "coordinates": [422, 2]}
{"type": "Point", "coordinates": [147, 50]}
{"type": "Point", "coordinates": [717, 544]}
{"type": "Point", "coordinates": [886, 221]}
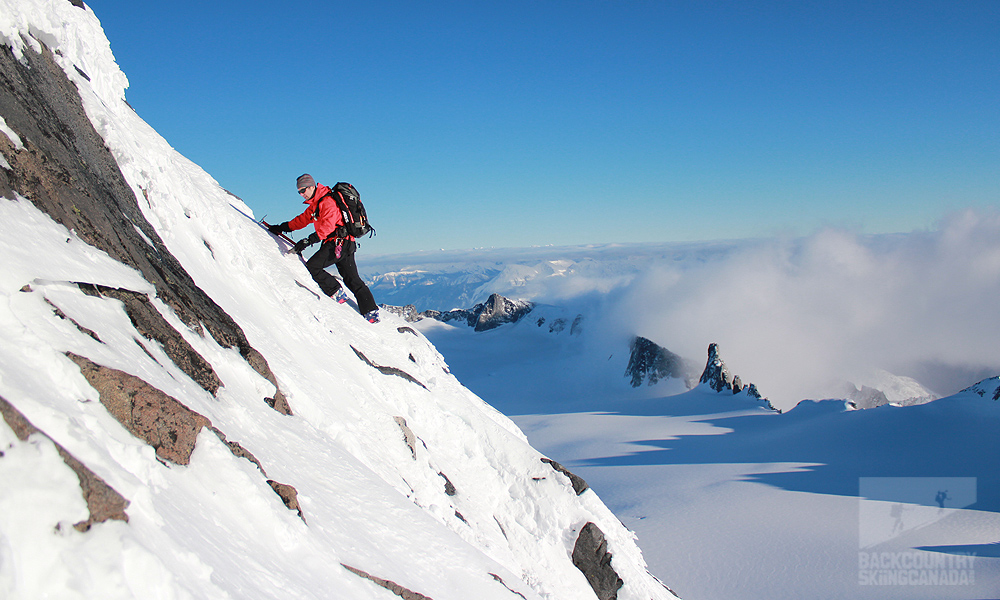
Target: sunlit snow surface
{"type": "Point", "coordinates": [733, 501]}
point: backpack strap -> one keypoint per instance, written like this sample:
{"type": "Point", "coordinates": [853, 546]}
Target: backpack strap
{"type": "Point", "coordinates": [340, 232]}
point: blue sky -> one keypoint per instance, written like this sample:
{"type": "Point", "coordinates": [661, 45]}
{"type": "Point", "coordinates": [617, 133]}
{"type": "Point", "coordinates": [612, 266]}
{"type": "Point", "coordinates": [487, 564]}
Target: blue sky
{"type": "Point", "coordinates": [519, 123]}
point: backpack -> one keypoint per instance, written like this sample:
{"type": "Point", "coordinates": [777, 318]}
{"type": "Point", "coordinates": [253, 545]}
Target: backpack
{"type": "Point", "coordinates": [355, 217]}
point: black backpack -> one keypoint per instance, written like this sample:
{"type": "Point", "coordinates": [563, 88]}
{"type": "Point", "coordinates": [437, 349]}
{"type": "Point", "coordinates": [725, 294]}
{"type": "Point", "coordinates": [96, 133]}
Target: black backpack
{"type": "Point", "coordinates": [355, 217]}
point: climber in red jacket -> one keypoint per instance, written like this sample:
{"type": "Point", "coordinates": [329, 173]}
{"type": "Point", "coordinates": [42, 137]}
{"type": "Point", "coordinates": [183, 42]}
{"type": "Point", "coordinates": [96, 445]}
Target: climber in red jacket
{"type": "Point", "coordinates": [324, 213]}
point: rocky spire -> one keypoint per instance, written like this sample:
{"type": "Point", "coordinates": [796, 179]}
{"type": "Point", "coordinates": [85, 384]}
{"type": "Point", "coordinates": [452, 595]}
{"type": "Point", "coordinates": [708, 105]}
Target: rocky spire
{"type": "Point", "coordinates": [718, 377]}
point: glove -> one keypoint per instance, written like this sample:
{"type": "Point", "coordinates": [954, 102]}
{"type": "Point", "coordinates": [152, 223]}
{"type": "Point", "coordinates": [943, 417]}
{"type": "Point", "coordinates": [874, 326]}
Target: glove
{"type": "Point", "coordinates": [305, 243]}
{"type": "Point", "coordinates": [277, 229]}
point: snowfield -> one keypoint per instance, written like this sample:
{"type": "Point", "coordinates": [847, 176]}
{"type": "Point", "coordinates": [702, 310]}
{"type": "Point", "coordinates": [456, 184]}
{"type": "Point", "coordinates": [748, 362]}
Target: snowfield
{"type": "Point", "coordinates": [731, 500]}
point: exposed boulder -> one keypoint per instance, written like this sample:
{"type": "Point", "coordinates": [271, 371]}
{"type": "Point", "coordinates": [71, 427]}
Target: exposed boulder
{"type": "Point", "coordinates": [579, 485]}
{"type": "Point", "coordinates": [288, 494]}
{"type": "Point", "coordinates": [591, 556]}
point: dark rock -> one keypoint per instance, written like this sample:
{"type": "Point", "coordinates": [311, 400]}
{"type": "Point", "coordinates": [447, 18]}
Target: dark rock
{"type": "Point", "coordinates": [152, 416]}
{"type": "Point", "coordinates": [238, 450]}
{"type": "Point", "coordinates": [652, 363]}
{"type": "Point", "coordinates": [449, 487]}
{"type": "Point", "coordinates": [498, 310]}
{"type": "Point", "coordinates": [408, 313]}
{"type": "Point", "coordinates": [866, 397]}
{"type": "Point", "coordinates": [392, 586]}
{"type": "Point", "coordinates": [66, 171]}
{"type": "Point", "coordinates": [289, 495]}
{"type": "Point", "coordinates": [579, 485]}
{"type": "Point", "coordinates": [504, 583]}
{"type": "Point", "coordinates": [716, 375]}
{"type": "Point", "coordinates": [103, 502]}
{"type": "Point", "coordinates": [387, 370]}
{"type": "Point", "coordinates": [150, 324]}
{"type": "Point", "coordinates": [591, 556]}
{"type": "Point", "coordinates": [59, 313]}
{"type": "Point", "coordinates": [986, 387]}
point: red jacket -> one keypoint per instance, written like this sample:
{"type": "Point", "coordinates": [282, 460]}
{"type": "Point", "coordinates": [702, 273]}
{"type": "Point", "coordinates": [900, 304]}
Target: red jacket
{"type": "Point", "coordinates": [329, 214]}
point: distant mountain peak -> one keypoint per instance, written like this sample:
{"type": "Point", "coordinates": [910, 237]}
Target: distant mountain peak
{"type": "Point", "coordinates": [496, 311]}
{"type": "Point", "coordinates": [987, 388]}
{"type": "Point", "coordinates": [717, 376]}
{"type": "Point", "coordinates": [651, 363]}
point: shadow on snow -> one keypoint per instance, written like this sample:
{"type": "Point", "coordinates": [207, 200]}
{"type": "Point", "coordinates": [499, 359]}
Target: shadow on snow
{"type": "Point", "coordinates": [952, 437]}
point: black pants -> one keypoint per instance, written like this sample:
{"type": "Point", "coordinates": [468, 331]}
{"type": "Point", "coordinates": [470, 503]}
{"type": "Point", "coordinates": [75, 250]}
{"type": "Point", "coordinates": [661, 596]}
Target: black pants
{"type": "Point", "coordinates": [326, 256]}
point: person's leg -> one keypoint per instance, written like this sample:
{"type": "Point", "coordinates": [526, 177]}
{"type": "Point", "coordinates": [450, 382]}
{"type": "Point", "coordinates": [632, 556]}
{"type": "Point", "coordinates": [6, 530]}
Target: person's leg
{"type": "Point", "coordinates": [317, 265]}
{"type": "Point", "coordinates": [348, 269]}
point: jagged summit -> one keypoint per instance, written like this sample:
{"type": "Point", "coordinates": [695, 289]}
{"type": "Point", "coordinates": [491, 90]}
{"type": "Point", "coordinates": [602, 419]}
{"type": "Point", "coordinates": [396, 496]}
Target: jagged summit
{"type": "Point", "coordinates": [717, 376]}
{"type": "Point", "coordinates": [987, 388]}
{"type": "Point", "coordinates": [498, 310]}
{"type": "Point", "coordinates": [651, 364]}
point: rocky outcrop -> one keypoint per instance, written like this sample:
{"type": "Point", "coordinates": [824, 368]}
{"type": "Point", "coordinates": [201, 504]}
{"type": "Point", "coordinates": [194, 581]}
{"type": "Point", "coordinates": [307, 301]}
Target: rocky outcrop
{"type": "Point", "coordinates": [66, 170]}
{"type": "Point", "coordinates": [651, 364]}
{"type": "Point", "coordinates": [717, 376]}
{"type": "Point", "coordinates": [591, 556]}
{"type": "Point", "coordinates": [579, 485]}
{"type": "Point", "coordinates": [150, 323]}
{"type": "Point", "coordinates": [288, 494]}
{"type": "Point", "coordinates": [161, 421]}
{"type": "Point", "coordinates": [103, 502]}
{"type": "Point", "coordinates": [387, 370]}
{"type": "Point", "coordinates": [496, 311]}
{"type": "Point", "coordinates": [987, 388]}
{"type": "Point", "coordinates": [392, 586]}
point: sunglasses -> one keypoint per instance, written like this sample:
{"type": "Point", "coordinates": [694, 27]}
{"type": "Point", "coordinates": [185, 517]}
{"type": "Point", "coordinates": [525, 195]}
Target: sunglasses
{"type": "Point", "coordinates": [303, 190]}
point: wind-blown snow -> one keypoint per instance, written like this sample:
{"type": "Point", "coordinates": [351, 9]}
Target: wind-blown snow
{"type": "Point", "coordinates": [214, 528]}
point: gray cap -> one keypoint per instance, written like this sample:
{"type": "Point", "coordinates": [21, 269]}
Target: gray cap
{"type": "Point", "coordinates": [304, 181]}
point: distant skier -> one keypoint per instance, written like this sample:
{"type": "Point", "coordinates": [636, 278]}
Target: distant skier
{"type": "Point", "coordinates": [337, 249]}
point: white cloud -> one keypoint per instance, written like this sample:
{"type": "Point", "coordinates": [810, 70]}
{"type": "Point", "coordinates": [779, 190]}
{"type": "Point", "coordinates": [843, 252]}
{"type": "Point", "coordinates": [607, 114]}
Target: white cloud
{"type": "Point", "coordinates": [796, 316]}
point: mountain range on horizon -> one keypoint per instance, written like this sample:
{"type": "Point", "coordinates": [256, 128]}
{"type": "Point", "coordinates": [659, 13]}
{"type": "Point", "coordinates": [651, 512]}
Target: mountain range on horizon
{"type": "Point", "coordinates": [648, 362]}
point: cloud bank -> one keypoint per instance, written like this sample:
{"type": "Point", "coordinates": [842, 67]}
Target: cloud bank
{"type": "Point", "coordinates": [799, 316]}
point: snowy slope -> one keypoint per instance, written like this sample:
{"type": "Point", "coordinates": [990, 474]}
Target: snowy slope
{"type": "Point", "coordinates": [466, 509]}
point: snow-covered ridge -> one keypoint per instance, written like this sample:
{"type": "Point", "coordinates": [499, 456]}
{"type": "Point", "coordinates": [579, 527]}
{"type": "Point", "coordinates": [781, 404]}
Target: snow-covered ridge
{"type": "Point", "coordinates": [410, 480]}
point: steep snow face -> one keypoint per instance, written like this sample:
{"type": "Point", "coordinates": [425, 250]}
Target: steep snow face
{"type": "Point", "coordinates": [400, 471]}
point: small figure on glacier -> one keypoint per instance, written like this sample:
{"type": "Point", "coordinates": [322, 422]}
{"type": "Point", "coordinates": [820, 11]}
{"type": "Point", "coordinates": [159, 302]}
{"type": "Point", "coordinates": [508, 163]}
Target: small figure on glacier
{"type": "Point", "coordinates": [339, 217]}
